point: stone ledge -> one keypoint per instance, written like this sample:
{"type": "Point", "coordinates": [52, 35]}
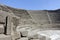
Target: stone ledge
{"type": "Point", "coordinates": [5, 37]}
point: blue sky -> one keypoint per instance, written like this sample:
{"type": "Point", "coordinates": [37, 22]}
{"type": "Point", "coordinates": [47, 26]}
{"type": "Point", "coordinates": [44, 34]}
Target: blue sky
{"type": "Point", "coordinates": [33, 4]}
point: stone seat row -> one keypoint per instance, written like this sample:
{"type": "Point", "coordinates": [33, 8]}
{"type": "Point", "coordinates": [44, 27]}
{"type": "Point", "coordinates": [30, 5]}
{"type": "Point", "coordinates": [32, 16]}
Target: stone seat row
{"type": "Point", "coordinates": [40, 35]}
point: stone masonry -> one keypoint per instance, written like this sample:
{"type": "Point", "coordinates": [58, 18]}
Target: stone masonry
{"type": "Point", "coordinates": [20, 24]}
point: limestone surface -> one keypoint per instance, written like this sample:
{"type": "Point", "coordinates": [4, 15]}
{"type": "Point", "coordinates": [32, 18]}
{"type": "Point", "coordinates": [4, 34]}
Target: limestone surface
{"type": "Point", "coordinates": [5, 37]}
{"type": "Point", "coordinates": [21, 24]}
{"type": "Point", "coordinates": [1, 28]}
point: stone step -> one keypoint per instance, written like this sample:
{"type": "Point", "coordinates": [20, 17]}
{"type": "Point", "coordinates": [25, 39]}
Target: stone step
{"type": "Point", "coordinates": [35, 39]}
{"type": "Point", "coordinates": [24, 33]}
{"type": "Point", "coordinates": [5, 37]}
{"type": "Point", "coordinates": [16, 36]}
{"type": "Point", "coordinates": [1, 28]}
{"type": "Point", "coordinates": [23, 38]}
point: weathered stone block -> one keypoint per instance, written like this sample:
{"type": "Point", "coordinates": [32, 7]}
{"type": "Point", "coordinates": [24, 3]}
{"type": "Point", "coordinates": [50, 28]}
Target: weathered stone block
{"type": "Point", "coordinates": [32, 35]}
{"type": "Point", "coordinates": [24, 33]}
{"type": "Point", "coordinates": [5, 37]}
{"type": "Point", "coordinates": [42, 38]}
{"type": "Point", "coordinates": [15, 36]}
{"type": "Point", "coordinates": [47, 38]}
{"type": "Point", "coordinates": [35, 39]}
{"type": "Point", "coordinates": [1, 28]}
{"type": "Point", "coordinates": [8, 19]}
{"type": "Point", "coordinates": [24, 38]}
{"type": "Point", "coordinates": [1, 18]}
